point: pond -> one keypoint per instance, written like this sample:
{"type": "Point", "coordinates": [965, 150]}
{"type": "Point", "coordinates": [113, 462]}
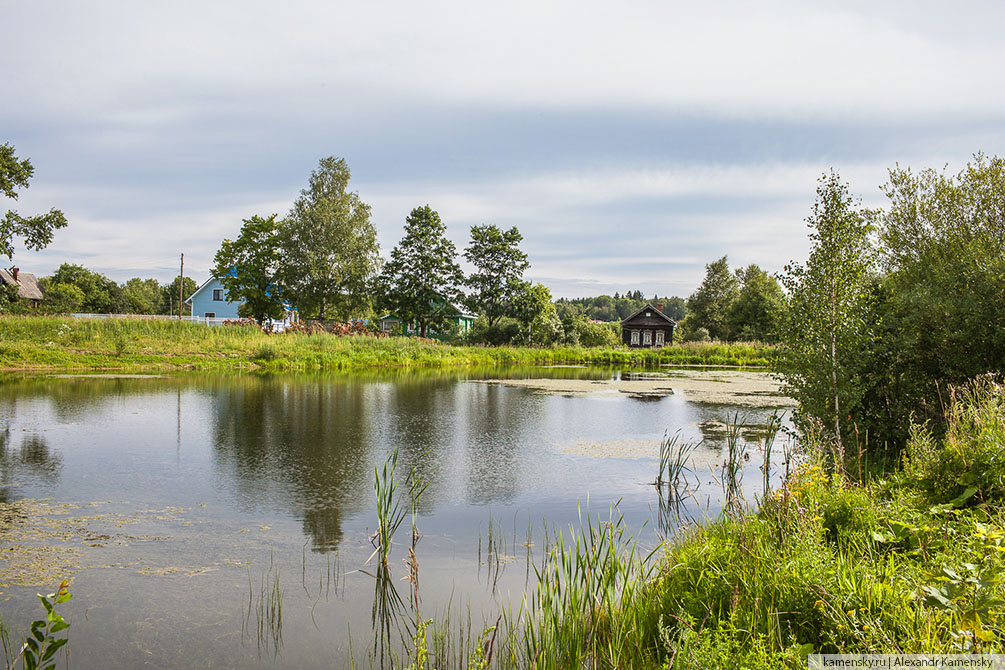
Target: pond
{"type": "Point", "coordinates": [225, 522]}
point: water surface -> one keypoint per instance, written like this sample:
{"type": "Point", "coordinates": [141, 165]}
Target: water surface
{"type": "Point", "coordinates": [176, 503]}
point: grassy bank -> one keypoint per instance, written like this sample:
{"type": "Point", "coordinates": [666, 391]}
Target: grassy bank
{"type": "Point", "coordinates": [910, 563]}
{"type": "Point", "coordinates": [134, 345]}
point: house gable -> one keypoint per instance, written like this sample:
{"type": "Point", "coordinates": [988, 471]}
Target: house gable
{"type": "Point", "coordinates": [27, 285]}
{"type": "Point", "coordinates": [648, 327]}
{"type": "Point", "coordinates": [211, 299]}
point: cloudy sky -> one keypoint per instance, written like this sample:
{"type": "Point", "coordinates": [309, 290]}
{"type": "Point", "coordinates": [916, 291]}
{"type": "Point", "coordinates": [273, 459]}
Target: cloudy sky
{"type": "Point", "coordinates": [631, 143]}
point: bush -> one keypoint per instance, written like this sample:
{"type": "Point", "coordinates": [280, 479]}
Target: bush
{"type": "Point", "coordinates": [504, 331]}
{"type": "Point", "coordinates": [969, 466]}
{"type": "Point", "coordinates": [598, 334]}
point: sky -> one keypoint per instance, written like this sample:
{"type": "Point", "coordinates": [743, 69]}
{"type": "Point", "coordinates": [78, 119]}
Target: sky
{"type": "Point", "coordinates": [631, 143]}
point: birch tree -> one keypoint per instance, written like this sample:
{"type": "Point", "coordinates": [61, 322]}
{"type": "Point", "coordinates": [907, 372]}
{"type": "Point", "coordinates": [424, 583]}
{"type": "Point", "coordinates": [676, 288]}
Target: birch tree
{"type": "Point", "coordinates": [826, 334]}
{"type": "Point", "coordinates": [328, 246]}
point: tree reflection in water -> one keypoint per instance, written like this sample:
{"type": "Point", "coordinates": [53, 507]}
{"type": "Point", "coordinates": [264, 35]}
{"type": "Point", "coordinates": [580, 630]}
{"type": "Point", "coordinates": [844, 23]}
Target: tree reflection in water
{"type": "Point", "coordinates": [33, 459]}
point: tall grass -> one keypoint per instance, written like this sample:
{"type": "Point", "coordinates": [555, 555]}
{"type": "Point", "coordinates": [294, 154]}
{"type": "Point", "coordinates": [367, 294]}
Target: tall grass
{"type": "Point", "coordinates": [52, 343]}
{"type": "Point", "coordinates": [767, 443]}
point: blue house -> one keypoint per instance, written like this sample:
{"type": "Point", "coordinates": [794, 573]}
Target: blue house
{"type": "Point", "coordinates": [210, 301]}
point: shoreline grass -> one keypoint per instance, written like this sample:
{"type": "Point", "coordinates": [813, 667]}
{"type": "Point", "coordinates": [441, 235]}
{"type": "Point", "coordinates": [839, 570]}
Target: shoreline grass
{"type": "Point", "coordinates": [910, 563]}
{"type": "Point", "coordinates": [50, 344]}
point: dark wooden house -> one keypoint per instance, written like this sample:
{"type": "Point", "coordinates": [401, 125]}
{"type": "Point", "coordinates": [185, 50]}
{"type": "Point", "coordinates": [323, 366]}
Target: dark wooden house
{"type": "Point", "coordinates": [648, 328]}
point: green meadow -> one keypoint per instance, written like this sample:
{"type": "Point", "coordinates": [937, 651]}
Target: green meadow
{"type": "Point", "coordinates": [41, 344]}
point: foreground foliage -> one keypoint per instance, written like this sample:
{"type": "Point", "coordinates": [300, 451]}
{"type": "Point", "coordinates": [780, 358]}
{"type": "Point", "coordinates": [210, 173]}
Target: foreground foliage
{"type": "Point", "coordinates": [41, 644]}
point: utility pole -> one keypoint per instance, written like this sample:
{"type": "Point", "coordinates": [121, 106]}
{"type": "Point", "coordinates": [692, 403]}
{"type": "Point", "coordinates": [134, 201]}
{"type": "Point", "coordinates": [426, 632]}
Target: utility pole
{"type": "Point", "coordinates": [181, 289]}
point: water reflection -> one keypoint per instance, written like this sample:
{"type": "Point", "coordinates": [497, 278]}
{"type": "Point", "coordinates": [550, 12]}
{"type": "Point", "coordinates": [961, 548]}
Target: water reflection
{"type": "Point", "coordinates": [307, 442]}
{"type": "Point", "coordinates": [33, 459]}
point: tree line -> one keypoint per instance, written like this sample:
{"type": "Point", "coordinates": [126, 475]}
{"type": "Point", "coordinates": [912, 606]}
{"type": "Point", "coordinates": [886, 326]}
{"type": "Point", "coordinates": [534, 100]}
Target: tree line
{"type": "Point", "coordinates": [74, 288]}
{"type": "Point", "coordinates": [323, 260]}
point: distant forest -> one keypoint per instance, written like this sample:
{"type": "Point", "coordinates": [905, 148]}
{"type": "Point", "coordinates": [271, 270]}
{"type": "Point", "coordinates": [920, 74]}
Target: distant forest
{"type": "Point", "coordinates": [618, 307]}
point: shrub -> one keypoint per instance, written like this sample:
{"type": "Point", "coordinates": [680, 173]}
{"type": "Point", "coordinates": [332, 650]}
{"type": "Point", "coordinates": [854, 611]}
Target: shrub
{"type": "Point", "coordinates": [688, 330]}
{"type": "Point", "coordinates": [266, 353]}
{"type": "Point", "coordinates": [598, 334]}
{"type": "Point", "coordinates": [504, 331]}
{"type": "Point", "coordinates": [969, 466]}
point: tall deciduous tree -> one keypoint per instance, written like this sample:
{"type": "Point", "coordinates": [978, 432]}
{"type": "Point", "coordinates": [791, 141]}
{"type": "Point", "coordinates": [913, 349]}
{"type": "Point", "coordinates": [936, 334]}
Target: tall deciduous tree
{"type": "Point", "coordinates": [36, 231]}
{"type": "Point", "coordinates": [169, 295]}
{"type": "Point", "coordinates": [499, 266]}
{"type": "Point", "coordinates": [531, 306]}
{"type": "Point", "coordinates": [421, 282]}
{"type": "Point", "coordinates": [247, 268]}
{"type": "Point", "coordinates": [142, 296]}
{"type": "Point", "coordinates": [826, 335]}
{"type": "Point", "coordinates": [709, 306]}
{"type": "Point", "coordinates": [759, 306]}
{"type": "Point", "coordinates": [329, 246]}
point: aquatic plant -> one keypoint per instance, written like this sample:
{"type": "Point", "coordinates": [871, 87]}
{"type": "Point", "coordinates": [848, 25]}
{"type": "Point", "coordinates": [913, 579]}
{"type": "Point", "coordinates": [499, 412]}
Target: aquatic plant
{"type": "Point", "coordinates": [771, 428]}
{"type": "Point", "coordinates": [732, 467]}
{"type": "Point", "coordinates": [673, 458]}
{"type": "Point", "coordinates": [267, 605]}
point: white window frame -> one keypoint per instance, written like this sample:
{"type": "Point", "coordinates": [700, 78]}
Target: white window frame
{"type": "Point", "coordinates": [659, 338]}
{"type": "Point", "coordinates": [635, 337]}
{"type": "Point", "coordinates": [209, 315]}
{"type": "Point", "coordinates": [647, 338]}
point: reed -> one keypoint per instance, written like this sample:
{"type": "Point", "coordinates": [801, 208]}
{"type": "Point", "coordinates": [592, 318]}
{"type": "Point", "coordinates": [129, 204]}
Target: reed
{"type": "Point", "coordinates": [267, 605]}
{"type": "Point", "coordinates": [732, 466]}
{"type": "Point", "coordinates": [771, 428]}
{"type": "Point", "coordinates": [673, 461]}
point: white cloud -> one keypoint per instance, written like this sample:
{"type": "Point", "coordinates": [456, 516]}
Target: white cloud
{"type": "Point", "coordinates": [192, 116]}
{"type": "Point", "coordinates": [142, 62]}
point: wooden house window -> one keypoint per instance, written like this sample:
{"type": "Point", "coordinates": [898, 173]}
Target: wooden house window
{"type": "Point", "coordinates": [218, 294]}
{"type": "Point", "coordinates": [635, 337]}
{"type": "Point", "coordinates": [647, 337]}
{"type": "Point", "coordinates": [210, 315]}
{"type": "Point", "coordinates": [659, 338]}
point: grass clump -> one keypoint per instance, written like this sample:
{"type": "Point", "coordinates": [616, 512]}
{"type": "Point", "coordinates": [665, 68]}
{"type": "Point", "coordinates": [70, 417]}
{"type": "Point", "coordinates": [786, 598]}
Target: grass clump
{"type": "Point", "coordinates": [968, 466]}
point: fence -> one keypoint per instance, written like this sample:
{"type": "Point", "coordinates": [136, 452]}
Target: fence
{"type": "Point", "coordinates": [210, 321]}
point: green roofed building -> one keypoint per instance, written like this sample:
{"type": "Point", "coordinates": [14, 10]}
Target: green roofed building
{"type": "Point", "coordinates": [461, 323]}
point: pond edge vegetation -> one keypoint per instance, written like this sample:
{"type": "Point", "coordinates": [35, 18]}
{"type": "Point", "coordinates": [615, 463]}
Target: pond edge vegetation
{"type": "Point", "coordinates": [46, 344]}
{"type": "Point", "coordinates": [905, 563]}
